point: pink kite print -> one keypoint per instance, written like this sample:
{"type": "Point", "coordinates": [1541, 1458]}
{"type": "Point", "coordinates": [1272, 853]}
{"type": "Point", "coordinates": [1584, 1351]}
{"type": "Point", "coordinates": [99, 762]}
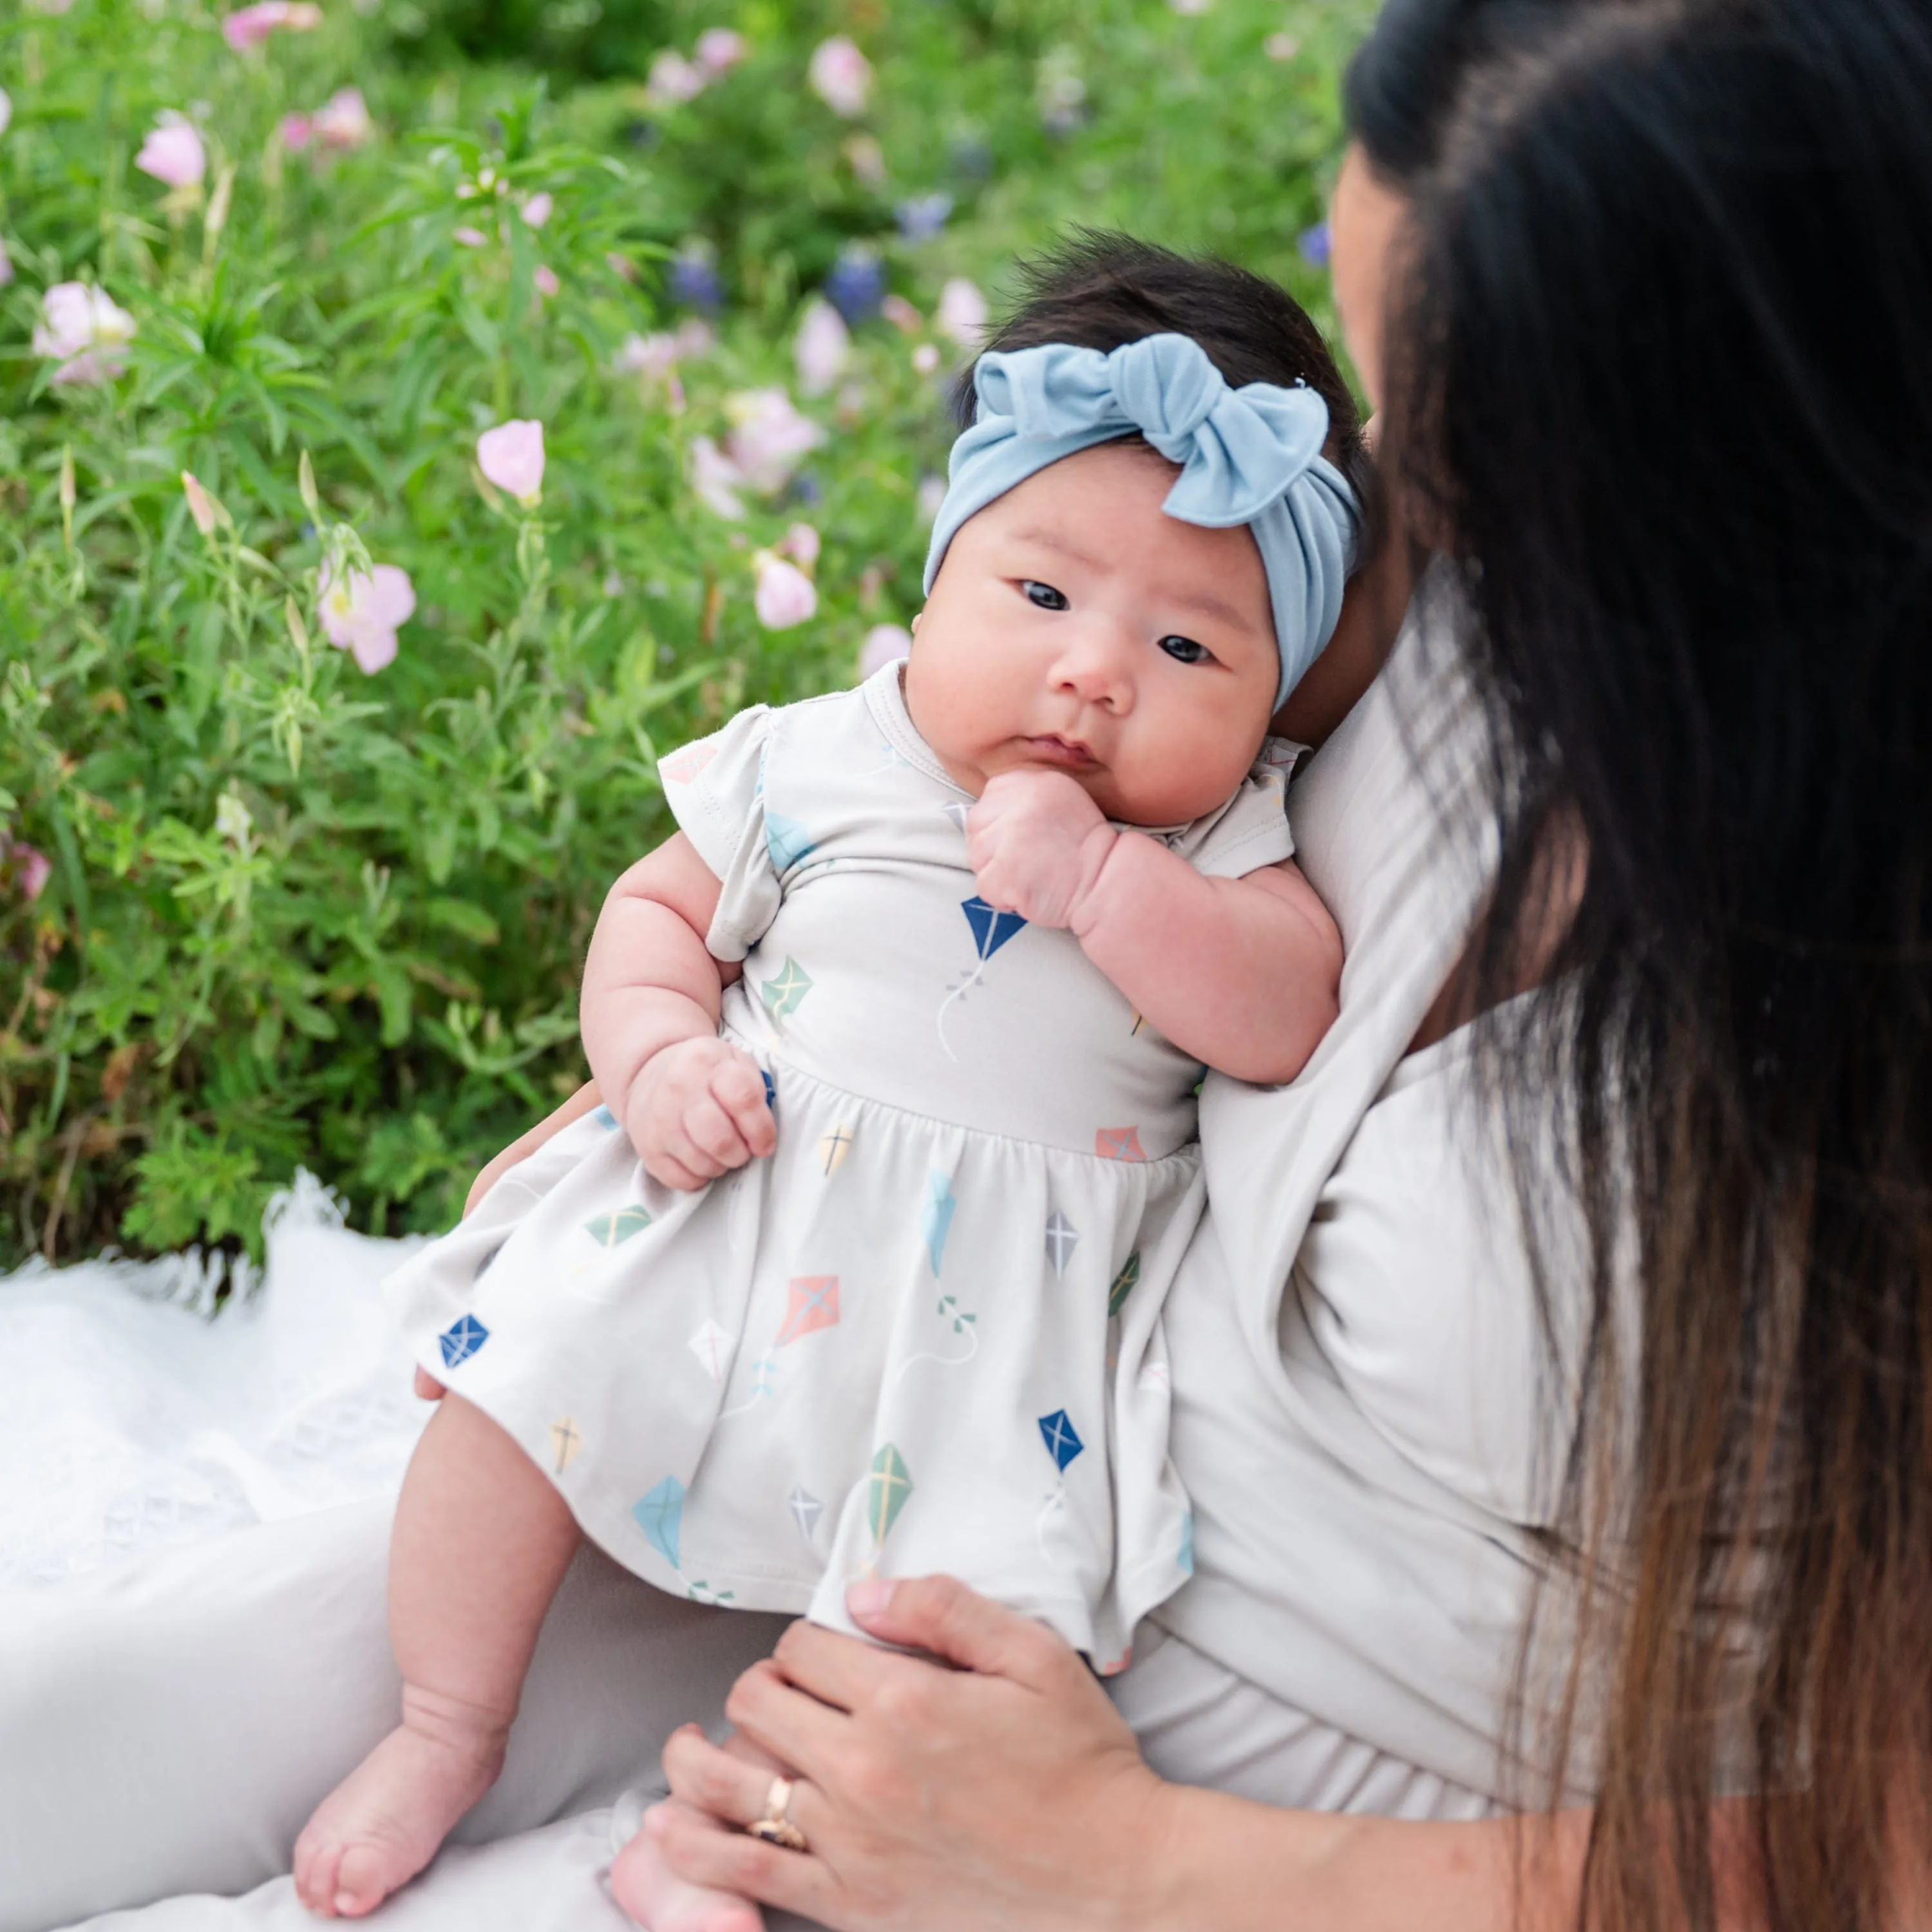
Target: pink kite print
{"type": "Point", "coordinates": [1119, 1144]}
{"type": "Point", "coordinates": [813, 1304]}
{"type": "Point", "coordinates": [685, 767]}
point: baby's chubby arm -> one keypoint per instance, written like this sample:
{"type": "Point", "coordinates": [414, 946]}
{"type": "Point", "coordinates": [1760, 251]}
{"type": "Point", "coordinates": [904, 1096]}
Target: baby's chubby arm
{"type": "Point", "coordinates": [1242, 974]}
{"type": "Point", "coordinates": [692, 1106]}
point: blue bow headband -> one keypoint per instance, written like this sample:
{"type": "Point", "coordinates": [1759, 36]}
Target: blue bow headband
{"type": "Point", "coordinates": [1251, 455]}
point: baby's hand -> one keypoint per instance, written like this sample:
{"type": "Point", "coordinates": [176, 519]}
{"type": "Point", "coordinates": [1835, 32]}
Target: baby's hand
{"type": "Point", "coordinates": [1036, 842]}
{"type": "Point", "coordinates": [697, 1110]}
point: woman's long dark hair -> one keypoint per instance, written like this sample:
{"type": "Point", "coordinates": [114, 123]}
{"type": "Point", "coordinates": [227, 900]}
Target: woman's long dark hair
{"type": "Point", "coordinates": [1661, 366]}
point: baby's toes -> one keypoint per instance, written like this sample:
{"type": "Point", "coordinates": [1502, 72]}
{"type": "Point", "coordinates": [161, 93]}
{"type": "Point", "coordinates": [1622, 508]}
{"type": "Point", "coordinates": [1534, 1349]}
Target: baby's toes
{"type": "Point", "coordinates": [364, 1876]}
{"type": "Point", "coordinates": [315, 1862]}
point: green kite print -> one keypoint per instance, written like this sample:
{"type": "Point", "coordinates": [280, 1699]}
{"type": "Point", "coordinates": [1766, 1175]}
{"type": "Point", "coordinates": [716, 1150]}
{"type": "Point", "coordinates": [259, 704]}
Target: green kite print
{"type": "Point", "coordinates": [1125, 1283]}
{"type": "Point", "coordinates": [607, 1230]}
{"type": "Point", "coordinates": [783, 992]}
{"type": "Point", "coordinates": [886, 1489]}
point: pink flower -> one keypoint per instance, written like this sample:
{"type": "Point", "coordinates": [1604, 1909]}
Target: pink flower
{"type": "Point", "coordinates": [784, 595]}
{"type": "Point", "coordinates": [30, 869]}
{"type": "Point", "coordinates": [173, 153]}
{"type": "Point", "coordinates": [86, 330]}
{"type": "Point", "coordinates": [511, 456]}
{"type": "Point", "coordinates": [902, 315]}
{"type": "Point", "coordinates": [885, 643]}
{"type": "Point", "coordinates": [361, 614]}
{"type": "Point", "coordinates": [343, 120]}
{"type": "Point", "coordinates": [6, 266]}
{"type": "Point", "coordinates": [295, 131]}
{"type": "Point", "coordinates": [719, 49]}
{"type": "Point", "coordinates": [962, 312]}
{"type": "Point", "coordinates": [841, 76]}
{"type": "Point", "coordinates": [801, 544]}
{"type": "Point", "coordinates": [251, 25]}
{"type": "Point", "coordinates": [714, 477]}
{"type": "Point", "coordinates": [200, 505]}
{"type": "Point", "coordinates": [6, 111]}
{"type": "Point", "coordinates": [467, 237]}
{"type": "Point", "coordinates": [822, 348]}
{"type": "Point", "coordinates": [931, 495]}
{"type": "Point", "coordinates": [654, 357]}
{"type": "Point", "coordinates": [538, 209]}
{"type": "Point", "coordinates": [1281, 46]}
{"type": "Point", "coordinates": [768, 436]}
{"type": "Point", "coordinates": [674, 79]}
{"type": "Point", "coordinates": [926, 358]}
{"type": "Point", "coordinates": [545, 278]}
{"type": "Point", "coordinates": [622, 266]}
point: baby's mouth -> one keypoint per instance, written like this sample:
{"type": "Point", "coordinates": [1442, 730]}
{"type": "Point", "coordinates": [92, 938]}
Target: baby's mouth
{"type": "Point", "coordinates": [1065, 754]}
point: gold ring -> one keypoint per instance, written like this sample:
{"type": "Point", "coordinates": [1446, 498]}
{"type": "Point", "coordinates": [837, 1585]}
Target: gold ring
{"type": "Point", "coordinates": [775, 1828]}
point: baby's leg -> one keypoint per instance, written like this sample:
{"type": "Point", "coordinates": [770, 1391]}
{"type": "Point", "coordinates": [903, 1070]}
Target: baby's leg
{"type": "Point", "coordinates": [482, 1541]}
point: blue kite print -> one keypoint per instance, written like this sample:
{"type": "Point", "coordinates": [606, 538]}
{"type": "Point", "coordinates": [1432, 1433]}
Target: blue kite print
{"type": "Point", "coordinates": [937, 1221]}
{"type": "Point", "coordinates": [788, 842]}
{"type": "Point", "coordinates": [660, 1515]}
{"type": "Point", "coordinates": [606, 1120]}
{"type": "Point", "coordinates": [461, 1339]}
{"type": "Point", "coordinates": [1062, 1440]}
{"type": "Point", "coordinates": [990, 929]}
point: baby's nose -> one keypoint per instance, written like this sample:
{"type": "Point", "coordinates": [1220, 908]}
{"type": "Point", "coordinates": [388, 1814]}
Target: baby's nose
{"type": "Point", "coordinates": [1096, 667]}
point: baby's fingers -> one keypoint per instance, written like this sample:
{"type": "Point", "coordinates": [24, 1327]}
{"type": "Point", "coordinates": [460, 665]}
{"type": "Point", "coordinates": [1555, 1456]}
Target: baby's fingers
{"type": "Point", "coordinates": [713, 1133]}
{"type": "Point", "coordinates": [740, 1088]}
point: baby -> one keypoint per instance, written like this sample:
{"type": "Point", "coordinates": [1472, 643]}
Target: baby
{"type": "Point", "coordinates": [859, 1270]}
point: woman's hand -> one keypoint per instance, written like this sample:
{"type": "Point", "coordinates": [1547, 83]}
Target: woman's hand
{"type": "Point", "coordinates": [1005, 1794]}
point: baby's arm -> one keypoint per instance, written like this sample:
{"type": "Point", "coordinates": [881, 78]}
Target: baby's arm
{"type": "Point", "coordinates": [693, 1106]}
{"type": "Point", "coordinates": [1242, 974]}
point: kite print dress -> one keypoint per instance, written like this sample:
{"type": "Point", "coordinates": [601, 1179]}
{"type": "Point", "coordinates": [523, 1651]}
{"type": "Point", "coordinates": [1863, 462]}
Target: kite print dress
{"type": "Point", "coordinates": [924, 1335]}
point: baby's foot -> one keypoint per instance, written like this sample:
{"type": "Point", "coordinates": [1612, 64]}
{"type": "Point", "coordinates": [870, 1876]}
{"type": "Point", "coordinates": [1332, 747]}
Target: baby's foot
{"type": "Point", "coordinates": [384, 1821]}
{"type": "Point", "coordinates": [657, 1898]}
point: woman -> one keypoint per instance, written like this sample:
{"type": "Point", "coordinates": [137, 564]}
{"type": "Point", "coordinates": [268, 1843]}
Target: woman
{"type": "Point", "coordinates": [1657, 286]}
{"type": "Point", "coordinates": [1657, 376]}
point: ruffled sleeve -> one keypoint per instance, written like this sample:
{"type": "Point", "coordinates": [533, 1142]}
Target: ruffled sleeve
{"type": "Point", "coordinates": [1251, 830]}
{"type": "Point", "coordinates": [715, 789]}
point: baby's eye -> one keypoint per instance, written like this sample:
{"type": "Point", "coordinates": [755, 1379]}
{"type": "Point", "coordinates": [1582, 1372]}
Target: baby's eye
{"type": "Point", "coordinates": [1185, 650]}
{"type": "Point", "coordinates": [1044, 595]}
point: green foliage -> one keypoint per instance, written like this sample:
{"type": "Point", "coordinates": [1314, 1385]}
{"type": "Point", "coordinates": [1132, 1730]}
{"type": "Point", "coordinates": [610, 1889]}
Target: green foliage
{"type": "Point", "coordinates": [295, 913]}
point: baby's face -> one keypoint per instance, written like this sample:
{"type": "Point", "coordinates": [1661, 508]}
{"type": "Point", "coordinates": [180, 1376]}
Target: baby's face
{"type": "Point", "coordinates": [1075, 627]}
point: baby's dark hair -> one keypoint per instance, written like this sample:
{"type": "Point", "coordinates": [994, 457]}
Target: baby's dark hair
{"type": "Point", "coordinates": [1098, 290]}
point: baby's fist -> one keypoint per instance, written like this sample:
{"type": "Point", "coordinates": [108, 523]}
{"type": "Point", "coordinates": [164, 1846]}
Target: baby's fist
{"type": "Point", "coordinates": [1037, 843]}
{"type": "Point", "coordinates": [697, 1110]}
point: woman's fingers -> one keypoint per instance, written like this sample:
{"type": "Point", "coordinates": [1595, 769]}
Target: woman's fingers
{"type": "Point", "coordinates": [722, 1782]}
{"type": "Point", "coordinates": [796, 1727]}
{"type": "Point", "coordinates": [844, 1672]}
{"type": "Point", "coordinates": [939, 1614]}
{"type": "Point", "coordinates": [428, 1387]}
{"type": "Point", "coordinates": [701, 1851]}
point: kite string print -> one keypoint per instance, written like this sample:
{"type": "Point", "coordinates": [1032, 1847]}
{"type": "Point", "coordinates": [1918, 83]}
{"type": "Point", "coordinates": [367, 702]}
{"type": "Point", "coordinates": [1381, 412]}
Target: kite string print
{"type": "Point", "coordinates": [935, 1226]}
{"type": "Point", "coordinates": [991, 929]}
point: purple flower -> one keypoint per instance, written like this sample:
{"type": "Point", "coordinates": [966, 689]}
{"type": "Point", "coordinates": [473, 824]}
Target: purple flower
{"type": "Point", "coordinates": [856, 285]}
{"type": "Point", "coordinates": [694, 282]}
{"type": "Point", "coordinates": [923, 217]}
{"type": "Point", "coordinates": [1315, 244]}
